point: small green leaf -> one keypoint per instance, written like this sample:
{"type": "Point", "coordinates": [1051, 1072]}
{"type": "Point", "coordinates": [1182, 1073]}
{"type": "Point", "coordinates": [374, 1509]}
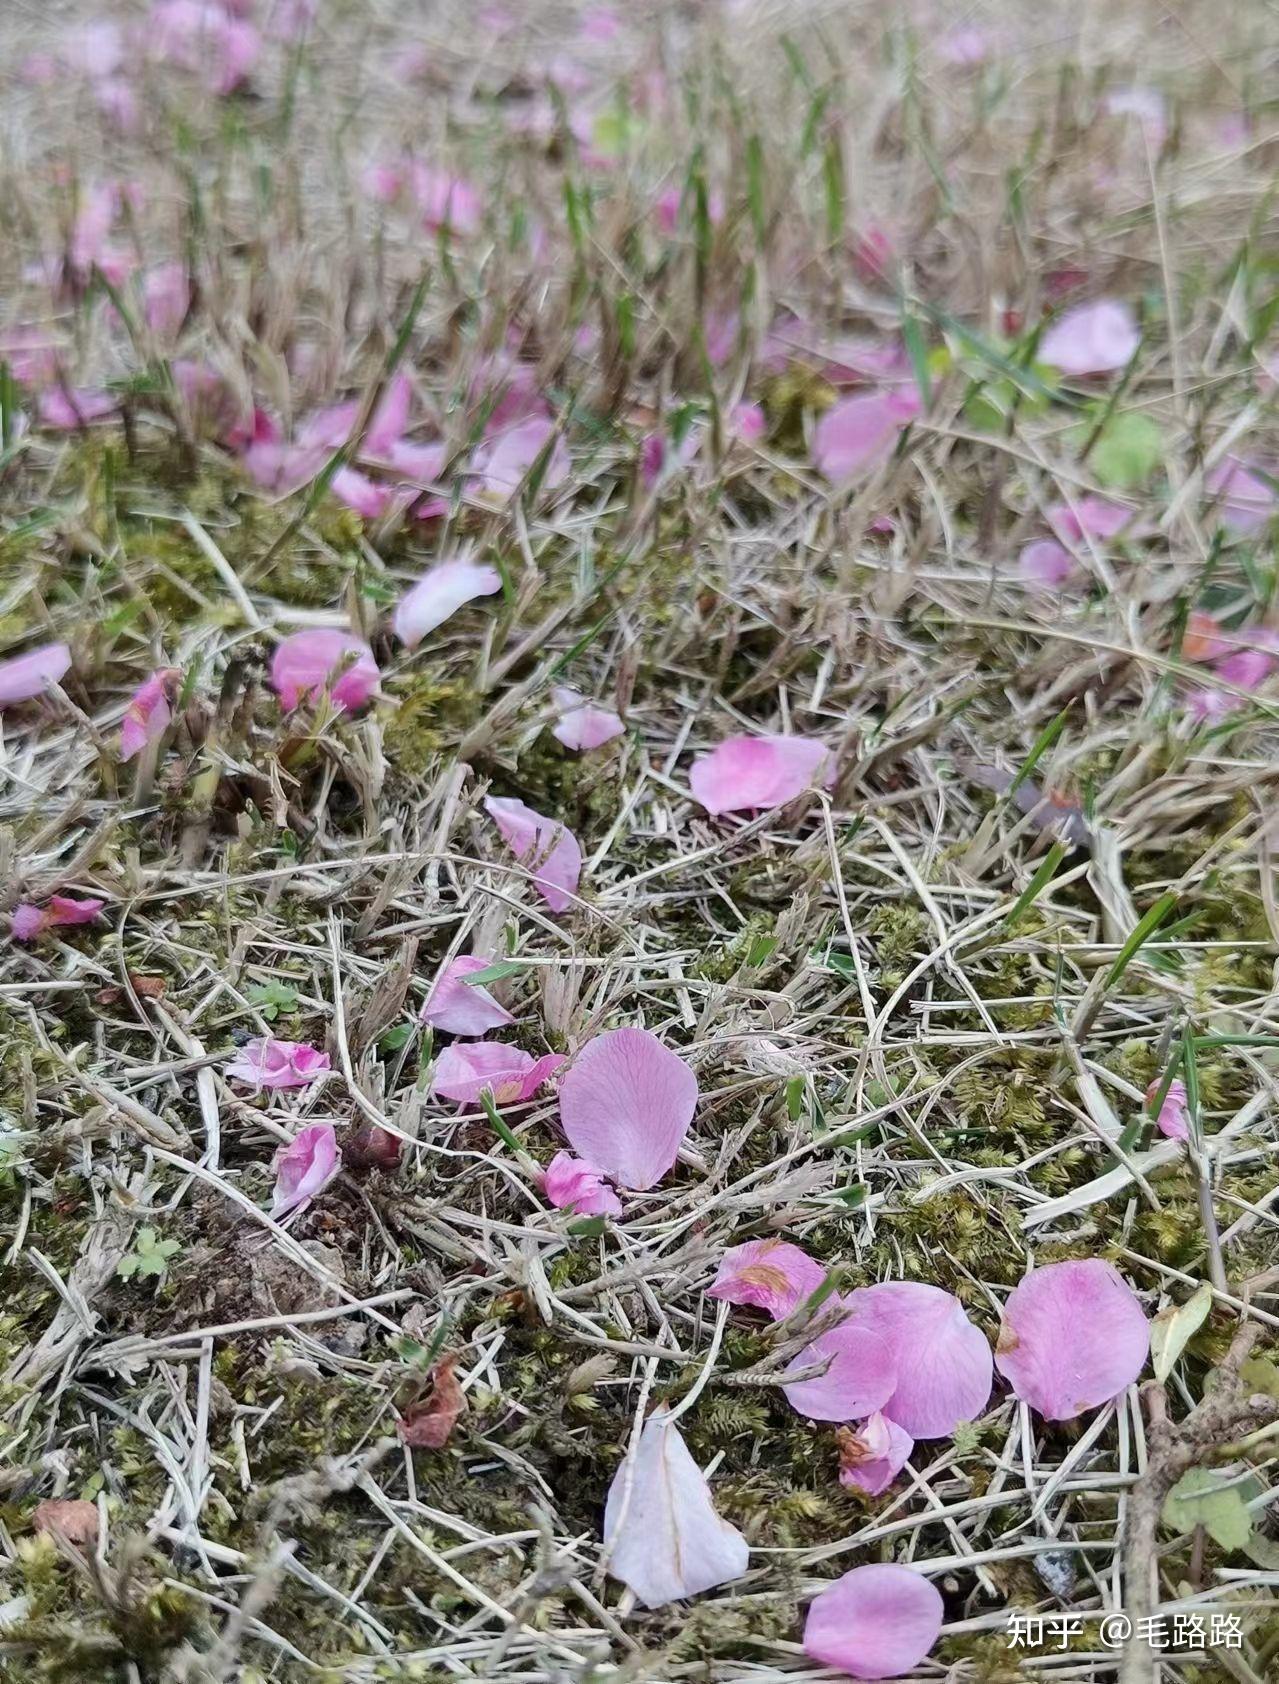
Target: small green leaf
{"type": "Point", "coordinates": [396, 1037]}
{"type": "Point", "coordinates": [494, 973]}
{"type": "Point", "coordinates": [795, 1097]}
{"type": "Point", "coordinates": [272, 998]}
{"type": "Point", "coordinates": [1127, 451]}
{"type": "Point", "coordinates": [1174, 1328]}
{"type": "Point", "coordinates": [762, 948]}
{"type": "Point", "coordinates": [1200, 1498]}
{"type": "Point", "coordinates": [587, 1227]}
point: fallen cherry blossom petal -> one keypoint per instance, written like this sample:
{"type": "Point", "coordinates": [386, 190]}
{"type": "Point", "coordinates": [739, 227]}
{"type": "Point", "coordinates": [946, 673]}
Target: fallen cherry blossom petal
{"type": "Point", "coordinates": [1074, 1336]}
{"type": "Point", "coordinates": [877, 1621]}
{"type": "Point", "coordinates": [873, 1454]}
{"type": "Point", "coordinates": [64, 909]}
{"type": "Point", "coordinates": [438, 595]}
{"type": "Point", "coordinates": [663, 1536]}
{"type": "Point", "coordinates": [26, 922]}
{"type": "Point", "coordinates": [573, 1185]}
{"type": "Point", "coordinates": [860, 1378]}
{"type": "Point", "coordinates": [858, 434]}
{"type": "Point", "coordinates": [468, 1069]}
{"type": "Point", "coordinates": [265, 1062]}
{"type": "Point", "coordinates": [549, 849]}
{"type": "Point", "coordinates": [626, 1105]}
{"type": "Point", "coordinates": [1244, 501]}
{"type": "Point", "coordinates": [1046, 563]}
{"type": "Point", "coordinates": [1091, 517]}
{"type": "Point", "coordinates": [305, 1166]}
{"type": "Point", "coordinates": [745, 774]}
{"type": "Point", "coordinates": [24, 677]}
{"type": "Point", "coordinates": [1092, 338]}
{"type": "Point", "coordinates": [461, 1008]}
{"type": "Point", "coordinates": [148, 714]}
{"type": "Point", "coordinates": [943, 1363]}
{"type": "Point", "coordinates": [582, 724]}
{"type": "Point", "coordinates": [305, 662]}
{"type": "Point", "coordinates": [1174, 1114]}
{"type": "Point", "coordinates": [503, 463]}
{"type": "Point", "coordinates": [769, 1274]}
{"type": "Point", "coordinates": [67, 409]}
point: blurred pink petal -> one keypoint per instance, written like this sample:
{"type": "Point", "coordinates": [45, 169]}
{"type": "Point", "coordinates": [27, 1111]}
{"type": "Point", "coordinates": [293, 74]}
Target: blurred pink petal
{"type": "Point", "coordinates": [860, 1378]}
{"type": "Point", "coordinates": [1147, 105]}
{"type": "Point", "coordinates": [503, 462]}
{"type": "Point", "coordinates": [23, 677]}
{"type": "Point", "coordinates": [1091, 339]}
{"type": "Point", "coordinates": [1074, 1336]}
{"type": "Point", "coordinates": [657, 457]}
{"type": "Point", "coordinates": [63, 909]}
{"type": "Point", "coordinates": [360, 493]}
{"type": "Point", "coordinates": [117, 102]}
{"type": "Point", "coordinates": [877, 1621]}
{"type": "Point", "coordinates": [265, 1062]}
{"type": "Point", "coordinates": [447, 203]}
{"type": "Point", "coordinates": [166, 293]}
{"type": "Point", "coordinates": [148, 714]}
{"type": "Point", "coordinates": [943, 1362]}
{"type": "Point", "coordinates": [382, 180]}
{"type": "Point", "coordinates": [305, 663]}
{"type": "Point", "coordinates": [1091, 517]}
{"type": "Point", "coordinates": [461, 1008]}
{"type": "Point", "coordinates": [1046, 563]}
{"type": "Point", "coordinates": [305, 1167]}
{"type": "Point", "coordinates": [438, 595]}
{"type": "Point", "coordinates": [549, 849]}
{"type": "Point", "coordinates": [1243, 500]}
{"type": "Point", "coordinates": [747, 423]}
{"type": "Point", "coordinates": [466, 1069]}
{"type": "Point", "coordinates": [26, 922]}
{"type": "Point", "coordinates": [874, 253]}
{"type": "Point", "coordinates": [661, 1530]}
{"type": "Point", "coordinates": [289, 20]}
{"type": "Point", "coordinates": [872, 1455]}
{"type": "Point", "coordinates": [69, 408]}
{"type": "Point", "coordinates": [1208, 706]}
{"type": "Point", "coordinates": [769, 1274]}
{"type": "Point", "coordinates": [31, 353]}
{"type": "Point", "coordinates": [965, 45]}
{"type": "Point", "coordinates": [583, 725]}
{"type": "Point", "coordinates": [745, 774]}
{"type": "Point", "coordinates": [572, 1185]}
{"type": "Point", "coordinates": [419, 464]}
{"type": "Point", "coordinates": [857, 435]}
{"type": "Point", "coordinates": [1174, 1114]}
{"type": "Point", "coordinates": [854, 360]}
{"type": "Point", "coordinates": [1248, 668]}
{"type": "Point", "coordinates": [626, 1105]}
{"type": "Point", "coordinates": [204, 38]}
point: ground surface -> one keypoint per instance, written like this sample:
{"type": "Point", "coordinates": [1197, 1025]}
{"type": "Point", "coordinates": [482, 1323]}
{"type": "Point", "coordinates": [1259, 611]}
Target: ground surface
{"type": "Point", "coordinates": [920, 1027]}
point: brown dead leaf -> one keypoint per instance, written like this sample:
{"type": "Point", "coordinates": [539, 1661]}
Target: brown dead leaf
{"type": "Point", "coordinates": [71, 1518]}
{"type": "Point", "coordinates": [427, 1425]}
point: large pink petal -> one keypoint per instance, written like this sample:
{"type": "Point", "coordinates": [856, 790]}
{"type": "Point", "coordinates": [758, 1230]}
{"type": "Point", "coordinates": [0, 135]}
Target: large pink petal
{"type": "Point", "coordinates": [626, 1105]}
{"type": "Point", "coordinates": [857, 434]}
{"type": "Point", "coordinates": [306, 663]}
{"type": "Point", "coordinates": [65, 909]}
{"type": "Point", "coordinates": [944, 1366]}
{"type": "Point", "coordinates": [860, 1379]}
{"type": "Point", "coordinates": [438, 595]}
{"type": "Point", "coordinates": [1091, 339]}
{"type": "Point", "coordinates": [770, 1274]}
{"type": "Point", "coordinates": [665, 1539]}
{"type": "Point", "coordinates": [583, 725]}
{"type": "Point", "coordinates": [29, 675]}
{"type": "Point", "coordinates": [549, 849]}
{"type": "Point", "coordinates": [1074, 1336]}
{"type": "Point", "coordinates": [462, 1008]}
{"type": "Point", "coordinates": [1092, 517]}
{"type": "Point", "coordinates": [744, 774]}
{"type": "Point", "coordinates": [878, 1621]}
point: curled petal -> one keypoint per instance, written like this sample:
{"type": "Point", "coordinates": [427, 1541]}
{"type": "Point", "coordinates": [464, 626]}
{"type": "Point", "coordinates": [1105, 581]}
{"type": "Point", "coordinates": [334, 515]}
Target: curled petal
{"type": "Point", "coordinates": [438, 595]}
{"type": "Point", "coordinates": [1174, 1114]}
{"type": "Point", "coordinates": [266, 1062]}
{"type": "Point", "coordinates": [305, 1167]}
{"type": "Point", "coordinates": [549, 849]}
{"type": "Point", "coordinates": [306, 663]}
{"type": "Point", "coordinates": [469, 1068]}
{"type": "Point", "coordinates": [148, 714]}
{"type": "Point", "coordinates": [770, 1274]}
{"type": "Point", "coordinates": [626, 1105]}
{"type": "Point", "coordinates": [26, 922]}
{"type": "Point", "coordinates": [583, 725]}
{"type": "Point", "coordinates": [744, 774]}
{"type": "Point", "coordinates": [1074, 1336]}
{"type": "Point", "coordinates": [871, 1457]}
{"type": "Point", "coordinates": [24, 677]}
{"type": "Point", "coordinates": [572, 1185]}
{"type": "Point", "coordinates": [878, 1621]}
{"type": "Point", "coordinates": [462, 1008]}
{"type": "Point", "coordinates": [63, 909]}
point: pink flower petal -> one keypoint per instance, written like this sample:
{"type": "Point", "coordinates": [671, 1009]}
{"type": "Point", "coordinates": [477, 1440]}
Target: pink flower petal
{"type": "Point", "coordinates": [266, 1062]}
{"type": "Point", "coordinates": [466, 1069]}
{"type": "Point", "coordinates": [626, 1105]}
{"type": "Point", "coordinates": [448, 204]}
{"type": "Point", "coordinates": [26, 922]}
{"type": "Point", "coordinates": [305, 664]}
{"type": "Point", "coordinates": [664, 1537]}
{"type": "Point", "coordinates": [1074, 1336]}
{"type": "Point", "coordinates": [1174, 1114]}
{"type": "Point", "coordinates": [861, 1376]}
{"type": "Point", "coordinates": [1091, 339]}
{"type": "Point", "coordinates": [305, 1167]}
{"type": "Point", "coordinates": [1244, 501]}
{"type": "Point", "coordinates": [461, 1008]}
{"type": "Point", "coordinates": [1046, 564]}
{"type": "Point", "coordinates": [572, 1185]}
{"type": "Point", "coordinates": [438, 595]}
{"type": "Point", "coordinates": [1248, 668]}
{"type": "Point", "coordinates": [747, 423]}
{"type": "Point", "coordinates": [877, 1621]}
{"type": "Point", "coordinates": [857, 435]}
{"type": "Point", "coordinates": [549, 849]}
{"type": "Point", "coordinates": [148, 714]}
{"type": "Point", "coordinates": [943, 1362]}
{"type": "Point", "coordinates": [871, 1457]}
{"type": "Point", "coordinates": [68, 409]}
{"type": "Point", "coordinates": [166, 293]}
{"type": "Point", "coordinates": [361, 493]}
{"type": "Point", "coordinates": [583, 725]}
{"type": "Point", "coordinates": [746, 774]}
{"type": "Point", "coordinates": [1147, 105]}
{"type": "Point", "coordinates": [503, 462]}
{"type": "Point", "coordinates": [26, 676]}
{"type": "Point", "coordinates": [63, 909]}
{"type": "Point", "coordinates": [770, 1274]}
{"type": "Point", "coordinates": [1091, 517]}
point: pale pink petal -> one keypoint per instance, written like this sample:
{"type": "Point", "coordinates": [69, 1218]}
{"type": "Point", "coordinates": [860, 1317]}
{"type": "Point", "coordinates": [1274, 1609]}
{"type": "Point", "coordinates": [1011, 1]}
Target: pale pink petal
{"type": "Point", "coordinates": [1091, 339]}
{"type": "Point", "coordinates": [148, 714]}
{"type": "Point", "coordinates": [747, 422]}
{"type": "Point", "coordinates": [382, 180]}
{"type": "Point", "coordinates": [1092, 517]}
{"type": "Point", "coordinates": [31, 353]}
{"type": "Point", "coordinates": [746, 774]}
{"type": "Point", "coordinates": [871, 1457]}
{"type": "Point", "coordinates": [448, 204]}
{"type": "Point", "coordinates": [1046, 564]}
{"type": "Point", "coordinates": [68, 408]}
{"type": "Point", "coordinates": [1174, 1114]}
{"type": "Point", "coordinates": [943, 1362]}
{"type": "Point", "coordinates": [857, 434]}
{"type": "Point", "coordinates": [306, 663]}
{"type": "Point", "coordinates": [583, 725]}
{"type": "Point", "coordinates": [626, 1105]}
{"type": "Point", "coordinates": [465, 1070]}
{"type": "Point", "coordinates": [305, 1167]}
{"type": "Point", "coordinates": [1244, 501]}
{"type": "Point", "coordinates": [878, 1621]}
{"type": "Point", "coordinates": [1208, 706]}
{"type": "Point", "coordinates": [572, 1185]}
{"type": "Point", "coordinates": [663, 1535]}
{"type": "Point", "coordinates": [360, 493]}
{"type": "Point", "coordinates": [1074, 1336]}
{"type": "Point", "coordinates": [549, 849]}
{"type": "Point", "coordinates": [770, 1274]}
{"type": "Point", "coordinates": [1147, 105]}
{"type": "Point", "coordinates": [166, 294]}
{"type": "Point", "coordinates": [854, 360]}
{"type": "Point", "coordinates": [26, 676]}
{"type": "Point", "coordinates": [874, 253]}
{"type": "Point", "coordinates": [461, 1008]}
{"type": "Point", "coordinates": [965, 46]}
{"type": "Point", "coordinates": [63, 909]}
{"type": "Point", "coordinates": [26, 922]}
{"type": "Point", "coordinates": [266, 1062]}
{"type": "Point", "coordinates": [419, 464]}
{"type": "Point", "coordinates": [503, 462]}
{"type": "Point", "coordinates": [438, 595]}
{"type": "Point", "coordinates": [722, 328]}
{"type": "Point", "coordinates": [860, 1378]}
